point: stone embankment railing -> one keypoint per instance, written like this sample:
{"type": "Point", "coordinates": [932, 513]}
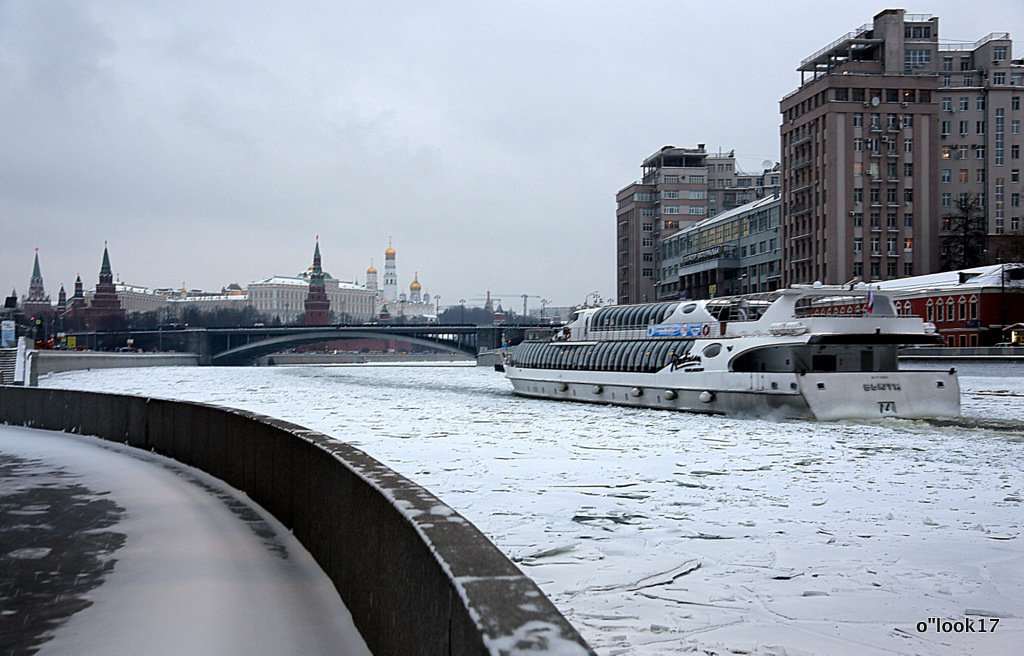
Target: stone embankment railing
{"type": "Point", "coordinates": [417, 577]}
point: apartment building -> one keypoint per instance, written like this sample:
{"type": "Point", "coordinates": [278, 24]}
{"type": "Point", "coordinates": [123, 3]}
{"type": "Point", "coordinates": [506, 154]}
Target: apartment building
{"type": "Point", "coordinates": [979, 119]}
{"type": "Point", "coordinates": [678, 187]}
{"type": "Point", "coordinates": [872, 159]}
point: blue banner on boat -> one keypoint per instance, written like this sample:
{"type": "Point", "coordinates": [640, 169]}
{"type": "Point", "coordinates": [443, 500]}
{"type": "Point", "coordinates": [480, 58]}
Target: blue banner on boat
{"type": "Point", "coordinates": [674, 330]}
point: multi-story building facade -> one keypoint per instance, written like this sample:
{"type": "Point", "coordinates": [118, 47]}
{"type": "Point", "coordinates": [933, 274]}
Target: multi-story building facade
{"type": "Point", "coordinates": [869, 150]}
{"type": "Point", "coordinates": [735, 252]}
{"type": "Point", "coordinates": [678, 187]}
{"type": "Point", "coordinates": [979, 120]}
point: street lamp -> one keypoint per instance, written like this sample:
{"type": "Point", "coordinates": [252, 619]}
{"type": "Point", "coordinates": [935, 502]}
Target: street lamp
{"type": "Point", "coordinates": [462, 302]}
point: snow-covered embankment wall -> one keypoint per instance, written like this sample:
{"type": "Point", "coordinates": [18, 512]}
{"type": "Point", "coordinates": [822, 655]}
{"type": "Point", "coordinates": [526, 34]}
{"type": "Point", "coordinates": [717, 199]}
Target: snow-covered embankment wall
{"type": "Point", "coordinates": [416, 576]}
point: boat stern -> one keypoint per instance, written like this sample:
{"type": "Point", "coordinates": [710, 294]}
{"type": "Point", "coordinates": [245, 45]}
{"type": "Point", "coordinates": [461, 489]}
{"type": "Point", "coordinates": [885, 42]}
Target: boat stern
{"type": "Point", "coordinates": [873, 395]}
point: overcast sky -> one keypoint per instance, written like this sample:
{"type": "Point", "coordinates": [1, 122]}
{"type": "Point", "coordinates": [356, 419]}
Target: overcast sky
{"type": "Point", "coordinates": [210, 143]}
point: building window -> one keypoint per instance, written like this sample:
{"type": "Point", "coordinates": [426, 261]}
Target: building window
{"type": "Point", "coordinates": [890, 244]}
{"type": "Point", "coordinates": [968, 81]}
{"type": "Point", "coordinates": [648, 273]}
{"type": "Point", "coordinates": [876, 221]}
{"type": "Point", "coordinates": [908, 270]}
{"type": "Point", "coordinates": [979, 103]}
{"type": "Point", "coordinates": [648, 227]}
{"type": "Point", "coordinates": [858, 120]}
{"type": "Point", "coordinates": [858, 269]}
{"type": "Point", "coordinates": [875, 245]}
{"type": "Point", "coordinates": [998, 53]}
{"type": "Point", "coordinates": [858, 244]}
{"type": "Point", "coordinates": [908, 145]}
{"type": "Point", "coordinates": [908, 244]}
{"type": "Point", "coordinates": [670, 193]}
{"type": "Point", "coordinates": [980, 127]}
{"type": "Point", "coordinates": [890, 269]}
{"type": "Point", "coordinates": [947, 80]}
{"type": "Point", "coordinates": [946, 200]}
{"type": "Point", "coordinates": [858, 144]}
{"type": "Point", "coordinates": [965, 127]}
{"type": "Point", "coordinates": [979, 152]}
{"type": "Point", "coordinates": [962, 177]}
{"type": "Point", "coordinates": [999, 78]}
{"type": "Point", "coordinates": [980, 175]}
{"type": "Point", "coordinates": [1015, 103]}
{"type": "Point", "coordinates": [858, 194]}
{"type": "Point", "coordinates": [697, 209]}
{"type": "Point", "coordinates": [908, 220]}
{"type": "Point", "coordinates": [648, 257]}
{"type": "Point", "coordinates": [875, 270]}
{"type": "Point", "coordinates": [908, 170]}
{"type": "Point", "coordinates": [858, 219]}
{"type": "Point", "coordinates": [1015, 152]}
{"type": "Point", "coordinates": [696, 194]}
{"type": "Point", "coordinates": [696, 179]}
{"type": "Point", "coordinates": [890, 221]}
{"type": "Point", "coordinates": [947, 63]}
{"type": "Point", "coordinates": [647, 211]}
{"type": "Point", "coordinates": [947, 104]}
{"type": "Point", "coordinates": [946, 175]}
{"type": "Point", "coordinates": [842, 94]}
{"type": "Point", "coordinates": [670, 209]}
{"type": "Point", "coordinates": [916, 58]}
{"type": "Point", "coordinates": [647, 242]}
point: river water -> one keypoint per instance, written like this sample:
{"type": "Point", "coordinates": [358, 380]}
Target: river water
{"type": "Point", "coordinates": [665, 533]}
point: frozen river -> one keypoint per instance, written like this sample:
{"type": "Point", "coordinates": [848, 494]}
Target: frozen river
{"type": "Point", "coordinates": [667, 533]}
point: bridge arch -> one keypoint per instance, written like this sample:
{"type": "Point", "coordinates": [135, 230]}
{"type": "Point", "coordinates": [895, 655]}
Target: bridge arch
{"type": "Point", "coordinates": [248, 353]}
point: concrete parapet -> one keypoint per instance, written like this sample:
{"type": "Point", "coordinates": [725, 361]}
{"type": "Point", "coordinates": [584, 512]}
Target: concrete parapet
{"type": "Point", "coordinates": [50, 362]}
{"type": "Point", "coordinates": [417, 577]}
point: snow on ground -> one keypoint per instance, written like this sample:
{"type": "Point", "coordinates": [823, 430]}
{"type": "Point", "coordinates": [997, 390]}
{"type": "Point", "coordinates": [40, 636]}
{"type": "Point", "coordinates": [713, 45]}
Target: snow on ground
{"type": "Point", "coordinates": [666, 533]}
{"type": "Point", "coordinates": [201, 570]}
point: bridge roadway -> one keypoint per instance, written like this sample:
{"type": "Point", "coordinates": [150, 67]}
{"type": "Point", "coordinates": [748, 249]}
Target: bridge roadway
{"type": "Point", "coordinates": [108, 549]}
{"type": "Point", "coordinates": [237, 346]}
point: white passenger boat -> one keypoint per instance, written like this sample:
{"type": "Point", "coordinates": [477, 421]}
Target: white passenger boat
{"type": "Point", "coordinates": [807, 351]}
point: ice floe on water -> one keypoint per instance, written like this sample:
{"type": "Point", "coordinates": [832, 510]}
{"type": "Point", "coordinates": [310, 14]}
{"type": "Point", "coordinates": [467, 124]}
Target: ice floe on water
{"type": "Point", "coordinates": [666, 533]}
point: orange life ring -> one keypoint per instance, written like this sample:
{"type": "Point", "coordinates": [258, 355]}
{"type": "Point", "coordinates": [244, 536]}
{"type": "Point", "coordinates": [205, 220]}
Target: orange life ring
{"type": "Point", "coordinates": [705, 330]}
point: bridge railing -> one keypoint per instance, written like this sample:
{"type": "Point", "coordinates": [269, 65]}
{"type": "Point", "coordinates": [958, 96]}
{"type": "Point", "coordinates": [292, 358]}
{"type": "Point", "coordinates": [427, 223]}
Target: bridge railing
{"type": "Point", "coordinates": [417, 577]}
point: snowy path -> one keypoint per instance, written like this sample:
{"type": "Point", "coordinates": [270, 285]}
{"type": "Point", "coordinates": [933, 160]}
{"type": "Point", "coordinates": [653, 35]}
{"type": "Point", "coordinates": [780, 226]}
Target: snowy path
{"type": "Point", "coordinates": [163, 558]}
{"type": "Point", "coordinates": [667, 533]}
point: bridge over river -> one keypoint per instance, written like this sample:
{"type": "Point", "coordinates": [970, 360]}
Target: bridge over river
{"type": "Point", "coordinates": [241, 346]}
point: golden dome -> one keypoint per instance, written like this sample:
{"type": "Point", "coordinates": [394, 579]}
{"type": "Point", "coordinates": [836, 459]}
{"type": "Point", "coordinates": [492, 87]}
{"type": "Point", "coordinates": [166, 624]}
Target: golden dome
{"type": "Point", "coordinates": [390, 252]}
{"type": "Point", "coordinates": [371, 269]}
{"type": "Point", "coordinates": [415, 286]}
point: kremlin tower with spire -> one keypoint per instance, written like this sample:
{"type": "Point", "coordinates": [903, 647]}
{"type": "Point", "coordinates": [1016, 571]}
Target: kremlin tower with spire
{"type": "Point", "coordinates": [37, 303]}
{"type": "Point", "coordinates": [318, 306]}
{"type": "Point", "coordinates": [105, 311]}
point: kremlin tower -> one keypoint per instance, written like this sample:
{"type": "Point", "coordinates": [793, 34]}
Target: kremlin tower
{"type": "Point", "coordinates": [105, 311]}
{"type": "Point", "coordinates": [318, 307]}
{"type": "Point", "coordinates": [37, 303]}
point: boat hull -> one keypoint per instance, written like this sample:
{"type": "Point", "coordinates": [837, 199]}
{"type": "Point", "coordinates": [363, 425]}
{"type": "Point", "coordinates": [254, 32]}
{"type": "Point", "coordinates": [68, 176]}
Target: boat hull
{"type": "Point", "coordinates": [824, 396]}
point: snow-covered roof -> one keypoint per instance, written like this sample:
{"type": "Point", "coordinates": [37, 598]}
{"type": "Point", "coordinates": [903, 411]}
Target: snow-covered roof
{"type": "Point", "coordinates": [974, 278]}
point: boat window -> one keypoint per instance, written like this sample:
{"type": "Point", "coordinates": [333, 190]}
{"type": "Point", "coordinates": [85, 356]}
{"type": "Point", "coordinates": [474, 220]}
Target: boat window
{"type": "Point", "coordinates": [636, 356]}
{"type": "Point", "coordinates": [613, 357]}
{"type": "Point", "coordinates": [689, 307]}
{"type": "Point", "coordinates": [606, 350]}
{"type": "Point", "coordinates": [661, 355]}
{"type": "Point", "coordinates": [625, 321]}
{"type": "Point", "coordinates": [645, 358]}
{"type": "Point", "coordinates": [711, 350]}
{"type": "Point", "coordinates": [625, 356]}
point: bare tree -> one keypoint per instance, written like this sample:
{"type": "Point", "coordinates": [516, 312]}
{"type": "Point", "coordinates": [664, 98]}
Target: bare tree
{"type": "Point", "coordinates": [964, 235]}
